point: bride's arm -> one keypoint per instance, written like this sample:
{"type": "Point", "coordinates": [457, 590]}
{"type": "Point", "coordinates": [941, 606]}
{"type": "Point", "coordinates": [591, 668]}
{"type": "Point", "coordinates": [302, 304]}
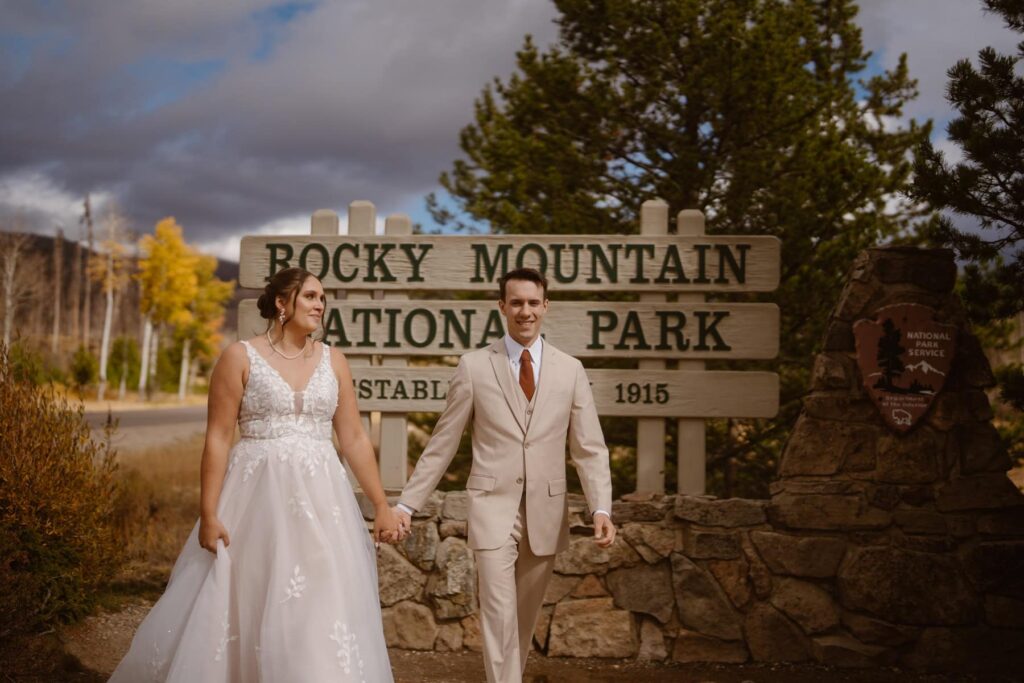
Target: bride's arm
{"type": "Point", "coordinates": [357, 449]}
{"type": "Point", "coordinates": [226, 388]}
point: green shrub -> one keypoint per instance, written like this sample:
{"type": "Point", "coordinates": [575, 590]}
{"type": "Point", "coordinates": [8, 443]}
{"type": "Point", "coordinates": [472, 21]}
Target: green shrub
{"type": "Point", "coordinates": [124, 360]}
{"type": "Point", "coordinates": [58, 492]}
{"type": "Point", "coordinates": [84, 368]}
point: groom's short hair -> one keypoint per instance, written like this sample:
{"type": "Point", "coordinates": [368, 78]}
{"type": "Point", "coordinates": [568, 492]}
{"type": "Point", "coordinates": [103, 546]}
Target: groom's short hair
{"type": "Point", "coordinates": [528, 274]}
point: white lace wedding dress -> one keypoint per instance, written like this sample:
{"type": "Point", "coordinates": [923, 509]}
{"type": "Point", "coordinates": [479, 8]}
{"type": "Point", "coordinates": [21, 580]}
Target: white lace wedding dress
{"type": "Point", "coordinates": [294, 598]}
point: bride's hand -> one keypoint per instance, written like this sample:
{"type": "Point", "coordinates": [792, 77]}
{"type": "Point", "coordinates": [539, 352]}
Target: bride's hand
{"type": "Point", "coordinates": [385, 525]}
{"type": "Point", "coordinates": [210, 530]}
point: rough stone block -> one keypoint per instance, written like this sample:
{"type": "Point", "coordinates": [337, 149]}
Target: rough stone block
{"type": "Point", "coordinates": [653, 543]}
{"type": "Point", "coordinates": [456, 506]}
{"type": "Point", "coordinates": [591, 587]}
{"type": "Point", "coordinates": [703, 605]}
{"type": "Point", "coordinates": [652, 642]}
{"type": "Point", "coordinates": [559, 587]}
{"type": "Point", "coordinates": [800, 556]}
{"type": "Point", "coordinates": [645, 588]}
{"type": "Point", "coordinates": [709, 545]}
{"type": "Point", "coordinates": [452, 587]}
{"type": "Point", "coordinates": [472, 640]}
{"type": "Point", "coordinates": [909, 458]}
{"type": "Point", "coordinates": [906, 587]}
{"type": "Point", "coordinates": [839, 337]}
{"type": "Point", "coordinates": [996, 567]}
{"type": "Point", "coordinates": [696, 647]}
{"type": "Point", "coordinates": [409, 626]}
{"type": "Point", "coordinates": [1005, 612]}
{"type": "Point", "coordinates": [585, 557]}
{"type": "Point", "coordinates": [826, 512]}
{"type": "Point", "coordinates": [810, 606]}
{"type": "Point", "coordinates": [458, 529]}
{"type": "Point", "coordinates": [449, 638]}
{"type": "Point", "coordinates": [420, 546]}
{"type": "Point", "coordinates": [1003, 523]}
{"type": "Point", "coordinates": [979, 492]}
{"type": "Point", "coordinates": [734, 578]}
{"type": "Point", "coordinates": [397, 579]}
{"type": "Point", "coordinates": [844, 651]}
{"type": "Point", "coordinates": [591, 628]}
{"type": "Point", "coordinates": [822, 447]}
{"type": "Point", "coordinates": [829, 406]}
{"type": "Point", "coordinates": [970, 365]}
{"type": "Point", "coordinates": [870, 630]}
{"type": "Point", "coordinates": [725, 512]}
{"type": "Point", "coordinates": [981, 449]}
{"type": "Point", "coordinates": [920, 522]}
{"type": "Point", "coordinates": [643, 511]}
{"type": "Point", "coordinates": [772, 637]}
{"type": "Point", "coordinates": [832, 371]}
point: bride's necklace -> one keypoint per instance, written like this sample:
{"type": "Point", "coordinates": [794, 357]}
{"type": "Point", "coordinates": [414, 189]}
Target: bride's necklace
{"type": "Point", "coordinates": [281, 353]}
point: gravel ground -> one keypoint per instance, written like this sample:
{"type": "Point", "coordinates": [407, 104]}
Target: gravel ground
{"type": "Point", "coordinates": [87, 652]}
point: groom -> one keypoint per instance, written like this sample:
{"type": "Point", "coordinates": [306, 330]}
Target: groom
{"type": "Point", "coordinates": [526, 401]}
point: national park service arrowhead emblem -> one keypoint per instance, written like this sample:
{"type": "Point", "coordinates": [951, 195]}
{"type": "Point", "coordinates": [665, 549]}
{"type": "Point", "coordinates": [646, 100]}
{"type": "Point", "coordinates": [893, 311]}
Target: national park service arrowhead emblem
{"type": "Point", "coordinates": [904, 357]}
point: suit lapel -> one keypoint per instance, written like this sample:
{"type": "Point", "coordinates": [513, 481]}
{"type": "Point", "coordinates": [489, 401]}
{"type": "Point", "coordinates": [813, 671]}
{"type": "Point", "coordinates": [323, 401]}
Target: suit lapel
{"type": "Point", "coordinates": [500, 365]}
{"type": "Point", "coordinates": [550, 367]}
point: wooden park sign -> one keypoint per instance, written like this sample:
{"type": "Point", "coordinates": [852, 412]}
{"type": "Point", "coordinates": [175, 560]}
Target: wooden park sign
{"type": "Point", "coordinates": [904, 357]}
{"type": "Point", "coordinates": [474, 263]}
{"type": "Point", "coordinates": [372, 317]}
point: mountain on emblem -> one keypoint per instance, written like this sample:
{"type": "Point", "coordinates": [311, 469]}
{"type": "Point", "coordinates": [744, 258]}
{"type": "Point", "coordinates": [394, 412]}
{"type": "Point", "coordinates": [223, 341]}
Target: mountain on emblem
{"type": "Point", "coordinates": [904, 357]}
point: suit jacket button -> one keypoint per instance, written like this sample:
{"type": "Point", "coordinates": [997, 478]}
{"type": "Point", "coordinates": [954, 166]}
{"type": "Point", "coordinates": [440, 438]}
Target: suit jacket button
{"type": "Point", "coordinates": [519, 480]}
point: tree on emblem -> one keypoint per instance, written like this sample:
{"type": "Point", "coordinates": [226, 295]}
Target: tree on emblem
{"type": "Point", "coordinates": [889, 352]}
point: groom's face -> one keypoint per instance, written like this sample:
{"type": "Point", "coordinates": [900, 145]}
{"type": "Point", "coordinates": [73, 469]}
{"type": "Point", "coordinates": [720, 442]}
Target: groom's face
{"type": "Point", "coordinates": [524, 308]}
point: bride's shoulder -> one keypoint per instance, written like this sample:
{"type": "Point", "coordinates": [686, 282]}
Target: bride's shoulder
{"type": "Point", "coordinates": [235, 354]}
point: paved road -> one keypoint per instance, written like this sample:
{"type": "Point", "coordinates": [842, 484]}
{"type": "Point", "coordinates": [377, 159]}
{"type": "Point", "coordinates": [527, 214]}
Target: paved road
{"type": "Point", "coordinates": [138, 429]}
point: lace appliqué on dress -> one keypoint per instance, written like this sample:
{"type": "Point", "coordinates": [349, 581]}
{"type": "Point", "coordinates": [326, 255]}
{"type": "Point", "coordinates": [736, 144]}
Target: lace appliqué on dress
{"type": "Point", "coordinates": [296, 585]}
{"type": "Point", "coordinates": [348, 649]}
{"type": "Point", "coordinates": [224, 639]}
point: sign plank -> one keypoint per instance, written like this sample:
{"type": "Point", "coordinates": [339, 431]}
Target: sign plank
{"type": "Point", "coordinates": [624, 393]}
{"type": "Point", "coordinates": [668, 263]}
{"type": "Point", "coordinates": [580, 328]}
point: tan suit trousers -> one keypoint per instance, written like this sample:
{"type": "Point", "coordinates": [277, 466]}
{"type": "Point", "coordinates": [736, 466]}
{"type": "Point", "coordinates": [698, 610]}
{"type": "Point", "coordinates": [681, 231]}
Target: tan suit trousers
{"type": "Point", "coordinates": [512, 583]}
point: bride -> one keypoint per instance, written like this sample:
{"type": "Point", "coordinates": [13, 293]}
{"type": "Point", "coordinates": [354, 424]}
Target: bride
{"type": "Point", "coordinates": [278, 580]}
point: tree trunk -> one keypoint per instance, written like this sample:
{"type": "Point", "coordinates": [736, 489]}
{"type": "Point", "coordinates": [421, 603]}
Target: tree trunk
{"type": "Point", "coordinates": [58, 259]}
{"type": "Point", "coordinates": [87, 312]}
{"type": "Point", "coordinates": [108, 318]}
{"type": "Point", "coordinates": [147, 332]}
{"type": "Point", "coordinates": [186, 349]}
{"type": "Point", "coordinates": [76, 294]}
{"type": "Point", "coordinates": [10, 264]}
{"type": "Point", "coordinates": [154, 354]}
{"type": "Point", "coordinates": [193, 372]}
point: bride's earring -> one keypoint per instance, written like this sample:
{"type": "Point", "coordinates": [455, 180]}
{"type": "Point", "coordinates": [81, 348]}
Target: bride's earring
{"type": "Point", "coordinates": [281, 318]}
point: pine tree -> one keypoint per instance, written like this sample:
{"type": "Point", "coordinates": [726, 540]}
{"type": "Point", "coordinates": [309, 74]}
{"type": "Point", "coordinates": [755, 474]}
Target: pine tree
{"type": "Point", "coordinates": [749, 110]}
{"type": "Point", "coordinates": [987, 185]}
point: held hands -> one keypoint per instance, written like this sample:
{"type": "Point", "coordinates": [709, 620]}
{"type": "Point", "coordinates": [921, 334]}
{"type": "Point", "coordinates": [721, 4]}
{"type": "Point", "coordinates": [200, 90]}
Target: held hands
{"type": "Point", "coordinates": [604, 531]}
{"type": "Point", "coordinates": [210, 531]}
{"type": "Point", "coordinates": [386, 525]}
{"type": "Point", "coordinates": [404, 522]}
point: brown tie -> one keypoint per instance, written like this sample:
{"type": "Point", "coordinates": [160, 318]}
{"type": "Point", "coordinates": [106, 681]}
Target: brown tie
{"type": "Point", "coordinates": [526, 374]}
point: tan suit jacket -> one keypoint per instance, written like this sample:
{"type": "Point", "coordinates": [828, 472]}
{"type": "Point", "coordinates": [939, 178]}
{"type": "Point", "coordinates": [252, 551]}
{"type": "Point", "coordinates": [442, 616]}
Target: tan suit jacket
{"type": "Point", "coordinates": [518, 446]}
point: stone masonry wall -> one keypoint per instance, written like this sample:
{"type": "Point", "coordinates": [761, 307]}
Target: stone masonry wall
{"type": "Point", "coordinates": [875, 549]}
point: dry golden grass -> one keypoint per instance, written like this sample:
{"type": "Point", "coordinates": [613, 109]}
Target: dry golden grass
{"type": "Point", "coordinates": [159, 506]}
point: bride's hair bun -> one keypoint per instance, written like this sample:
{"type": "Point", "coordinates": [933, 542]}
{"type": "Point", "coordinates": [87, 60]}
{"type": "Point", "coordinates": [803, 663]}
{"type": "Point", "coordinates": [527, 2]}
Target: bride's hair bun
{"type": "Point", "coordinates": [266, 304]}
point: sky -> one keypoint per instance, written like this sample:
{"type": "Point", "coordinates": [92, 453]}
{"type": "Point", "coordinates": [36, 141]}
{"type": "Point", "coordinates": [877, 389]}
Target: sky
{"type": "Point", "coordinates": [244, 116]}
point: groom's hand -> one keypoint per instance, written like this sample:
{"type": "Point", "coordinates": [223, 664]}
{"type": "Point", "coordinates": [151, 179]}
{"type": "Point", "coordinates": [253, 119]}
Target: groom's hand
{"type": "Point", "coordinates": [404, 522]}
{"type": "Point", "coordinates": [604, 531]}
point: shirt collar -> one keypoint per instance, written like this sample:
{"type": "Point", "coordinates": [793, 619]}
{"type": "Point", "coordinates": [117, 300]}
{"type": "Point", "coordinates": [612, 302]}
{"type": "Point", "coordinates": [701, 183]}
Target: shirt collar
{"type": "Point", "coordinates": [515, 349]}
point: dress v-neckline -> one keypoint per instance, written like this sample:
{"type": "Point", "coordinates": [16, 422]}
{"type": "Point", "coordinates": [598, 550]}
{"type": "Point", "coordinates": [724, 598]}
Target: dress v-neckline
{"type": "Point", "coordinates": [277, 374]}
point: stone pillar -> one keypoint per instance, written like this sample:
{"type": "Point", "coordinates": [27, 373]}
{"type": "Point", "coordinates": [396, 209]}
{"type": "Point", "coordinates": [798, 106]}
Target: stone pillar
{"type": "Point", "coordinates": [931, 528]}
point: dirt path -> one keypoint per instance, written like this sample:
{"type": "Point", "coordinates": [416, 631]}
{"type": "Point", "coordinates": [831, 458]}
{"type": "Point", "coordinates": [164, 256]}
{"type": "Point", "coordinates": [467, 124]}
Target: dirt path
{"type": "Point", "coordinates": [92, 648]}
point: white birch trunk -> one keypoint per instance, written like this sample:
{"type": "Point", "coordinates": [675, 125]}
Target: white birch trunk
{"type": "Point", "coordinates": [108, 318]}
{"type": "Point", "coordinates": [147, 333]}
{"type": "Point", "coordinates": [186, 349]}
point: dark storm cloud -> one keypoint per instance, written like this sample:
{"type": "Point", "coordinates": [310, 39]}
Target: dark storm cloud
{"type": "Point", "coordinates": [230, 115]}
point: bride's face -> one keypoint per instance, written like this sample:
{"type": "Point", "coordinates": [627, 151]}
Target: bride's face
{"type": "Point", "coordinates": [307, 312]}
